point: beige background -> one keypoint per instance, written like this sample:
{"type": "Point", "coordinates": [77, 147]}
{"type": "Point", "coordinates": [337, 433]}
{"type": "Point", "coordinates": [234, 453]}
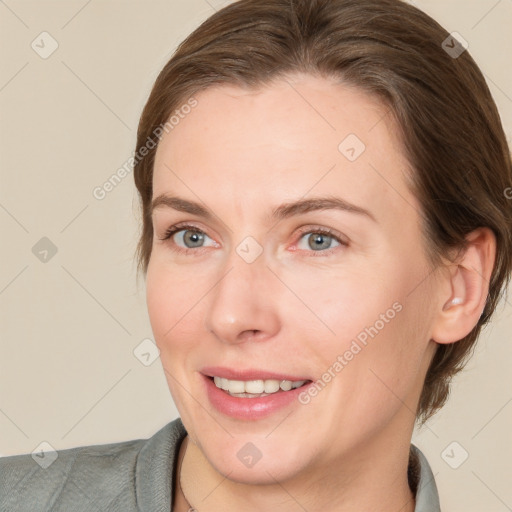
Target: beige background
{"type": "Point", "coordinates": [70, 325]}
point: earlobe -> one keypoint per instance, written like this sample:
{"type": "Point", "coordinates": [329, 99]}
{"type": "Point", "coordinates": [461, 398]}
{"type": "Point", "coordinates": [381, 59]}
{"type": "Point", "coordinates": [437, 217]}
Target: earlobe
{"type": "Point", "coordinates": [468, 285]}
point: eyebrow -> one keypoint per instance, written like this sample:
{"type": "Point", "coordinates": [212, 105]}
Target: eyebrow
{"type": "Point", "coordinates": [282, 212]}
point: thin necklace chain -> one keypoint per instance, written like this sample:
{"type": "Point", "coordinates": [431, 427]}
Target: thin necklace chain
{"type": "Point", "coordinates": [190, 507]}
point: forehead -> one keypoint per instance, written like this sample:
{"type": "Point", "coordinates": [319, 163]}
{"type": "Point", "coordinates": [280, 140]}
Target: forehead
{"type": "Point", "coordinates": [297, 136]}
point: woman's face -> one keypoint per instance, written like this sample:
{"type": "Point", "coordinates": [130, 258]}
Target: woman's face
{"type": "Point", "coordinates": [258, 289]}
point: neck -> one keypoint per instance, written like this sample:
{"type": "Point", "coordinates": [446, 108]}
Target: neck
{"type": "Point", "coordinates": [372, 477]}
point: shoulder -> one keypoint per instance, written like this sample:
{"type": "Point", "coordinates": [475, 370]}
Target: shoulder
{"type": "Point", "coordinates": [114, 476]}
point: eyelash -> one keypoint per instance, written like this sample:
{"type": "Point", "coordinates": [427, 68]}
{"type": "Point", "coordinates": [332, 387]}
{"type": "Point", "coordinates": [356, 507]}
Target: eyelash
{"type": "Point", "coordinates": [316, 230]}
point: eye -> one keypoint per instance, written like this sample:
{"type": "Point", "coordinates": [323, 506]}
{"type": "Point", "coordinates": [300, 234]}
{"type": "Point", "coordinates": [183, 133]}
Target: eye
{"type": "Point", "coordinates": [190, 236]}
{"type": "Point", "coordinates": [320, 240]}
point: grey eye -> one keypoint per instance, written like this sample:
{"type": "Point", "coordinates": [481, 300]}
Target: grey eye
{"type": "Point", "coordinates": [318, 241]}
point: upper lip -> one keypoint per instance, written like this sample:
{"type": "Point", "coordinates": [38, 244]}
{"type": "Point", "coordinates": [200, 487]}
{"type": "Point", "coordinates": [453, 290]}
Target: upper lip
{"type": "Point", "coordinates": [248, 374]}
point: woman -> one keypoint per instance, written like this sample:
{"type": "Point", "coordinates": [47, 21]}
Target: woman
{"type": "Point", "coordinates": [325, 232]}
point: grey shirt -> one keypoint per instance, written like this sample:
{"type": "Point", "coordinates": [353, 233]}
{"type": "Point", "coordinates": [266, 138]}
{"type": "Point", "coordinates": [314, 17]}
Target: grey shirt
{"type": "Point", "coordinates": [131, 476]}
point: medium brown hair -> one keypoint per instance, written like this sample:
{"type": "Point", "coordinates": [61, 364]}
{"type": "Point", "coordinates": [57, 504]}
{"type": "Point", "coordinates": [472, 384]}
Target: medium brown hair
{"type": "Point", "coordinates": [449, 124]}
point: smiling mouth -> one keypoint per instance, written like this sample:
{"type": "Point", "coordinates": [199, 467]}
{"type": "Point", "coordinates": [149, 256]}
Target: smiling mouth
{"type": "Point", "coordinates": [256, 388]}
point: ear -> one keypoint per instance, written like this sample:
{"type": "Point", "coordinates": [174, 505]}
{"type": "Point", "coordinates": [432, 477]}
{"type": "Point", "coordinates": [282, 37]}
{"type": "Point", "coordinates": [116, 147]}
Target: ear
{"type": "Point", "coordinates": [464, 290]}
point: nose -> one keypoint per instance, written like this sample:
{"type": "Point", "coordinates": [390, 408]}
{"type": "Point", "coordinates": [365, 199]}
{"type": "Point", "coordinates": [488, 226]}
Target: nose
{"type": "Point", "coordinates": [244, 304]}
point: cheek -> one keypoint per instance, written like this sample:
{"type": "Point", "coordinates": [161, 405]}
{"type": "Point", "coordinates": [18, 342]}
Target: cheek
{"type": "Point", "coordinates": [387, 373]}
{"type": "Point", "coordinates": [377, 326]}
{"type": "Point", "coordinates": [344, 303]}
{"type": "Point", "coordinates": [159, 303]}
{"type": "Point", "coordinates": [170, 295]}
{"type": "Point", "coordinates": [166, 307]}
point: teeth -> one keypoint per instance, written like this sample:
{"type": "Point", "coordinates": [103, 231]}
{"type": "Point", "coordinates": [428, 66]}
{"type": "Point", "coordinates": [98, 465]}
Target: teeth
{"type": "Point", "coordinates": [251, 386]}
{"type": "Point", "coordinates": [286, 385]}
{"type": "Point", "coordinates": [271, 386]}
{"type": "Point", "coordinates": [255, 387]}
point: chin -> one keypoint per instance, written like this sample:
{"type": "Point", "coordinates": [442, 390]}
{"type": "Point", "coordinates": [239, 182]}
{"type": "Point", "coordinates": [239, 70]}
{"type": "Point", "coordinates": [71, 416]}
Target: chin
{"type": "Point", "coordinates": [256, 462]}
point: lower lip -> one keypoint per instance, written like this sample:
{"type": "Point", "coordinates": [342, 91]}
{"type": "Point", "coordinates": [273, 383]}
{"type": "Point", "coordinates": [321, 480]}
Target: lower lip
{"type": "Point", "coordinates": [250, 408]}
